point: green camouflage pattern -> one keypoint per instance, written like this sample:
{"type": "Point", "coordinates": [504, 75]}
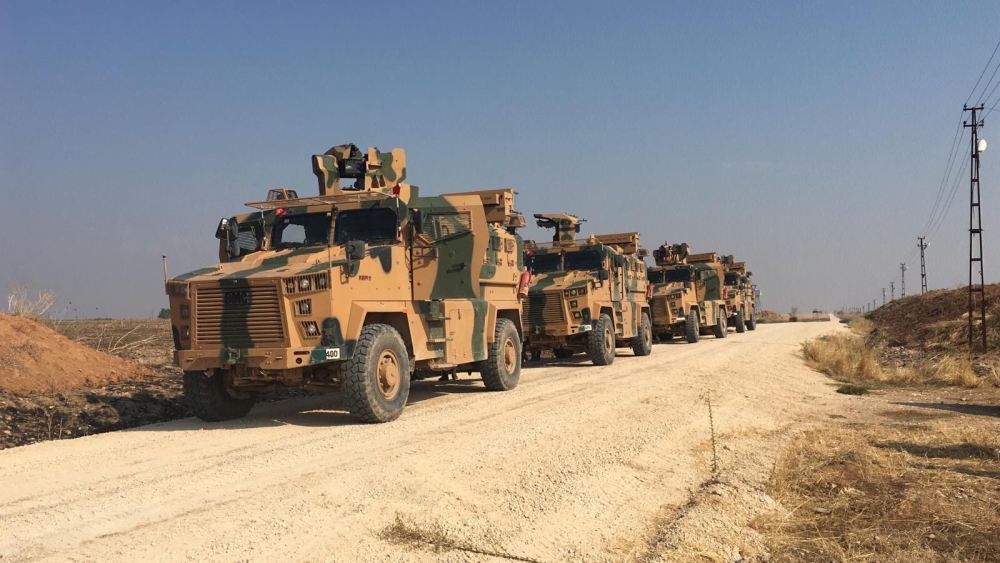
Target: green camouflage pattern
{"type": "Point", "coordinates": [439, 269]}
{"type": "Point", "coordinates": [685, 284]}
{"type": "Point", "coordinates": [563, 303]}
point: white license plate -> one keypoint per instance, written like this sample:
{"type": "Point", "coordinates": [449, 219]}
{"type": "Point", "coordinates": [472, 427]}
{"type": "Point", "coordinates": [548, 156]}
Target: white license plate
{"type": "Point", "coordinates": [333, 353]}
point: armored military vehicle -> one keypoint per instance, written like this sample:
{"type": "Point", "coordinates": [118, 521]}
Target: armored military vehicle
{"type": "Point", "coordinates": [739, 295]}
{"type": "Point", "coordinates": [687, 298]}
{"type": "Point", "coordinates": [354, 289]}
{"type": "Point", "coordinates": [586, 295]}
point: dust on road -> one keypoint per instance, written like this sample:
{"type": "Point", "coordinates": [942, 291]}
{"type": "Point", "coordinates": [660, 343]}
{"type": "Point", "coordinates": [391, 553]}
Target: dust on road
{"type": "Point", "coordinates": [570, 466]}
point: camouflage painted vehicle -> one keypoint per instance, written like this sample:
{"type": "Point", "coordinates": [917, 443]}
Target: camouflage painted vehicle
{"type": "Point", "coordinates": [740, 296]}
{"type": "Point", "coordinates": [587, 295]}
{"type": "Point", "coordinates": [356, 289]}
{"type": "Point", "coordinates": [687, 298]}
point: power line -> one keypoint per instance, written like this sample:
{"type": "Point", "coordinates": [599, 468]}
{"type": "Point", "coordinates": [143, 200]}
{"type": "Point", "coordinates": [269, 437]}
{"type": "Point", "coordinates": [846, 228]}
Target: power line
{"type": "Point", "coordinates": [951, 198]}
{"type": "Point", "coordinates": [985, 68]}
{"type": "Point", "coordinates": [952, 155]}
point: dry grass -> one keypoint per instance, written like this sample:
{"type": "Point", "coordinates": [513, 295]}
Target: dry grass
{"type": "Point", "coordinates": [886, 494]}
{"type": "Point", "coordinates": [848, 358]}
{"type": "Point", "coordinates": [125, 338]}
{"type": "Point", "coordinates": [404, 531]}
{"type": "Point", "coordinates": [22, 303]}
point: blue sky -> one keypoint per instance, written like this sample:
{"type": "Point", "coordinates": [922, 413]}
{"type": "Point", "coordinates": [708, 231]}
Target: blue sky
{"type": "Point", "coordinates": [807, 138]}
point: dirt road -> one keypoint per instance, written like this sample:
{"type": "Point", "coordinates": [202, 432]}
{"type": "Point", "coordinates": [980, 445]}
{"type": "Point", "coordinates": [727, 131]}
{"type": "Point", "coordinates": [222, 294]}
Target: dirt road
{"type": "Point", "coordinates": [570, 466]}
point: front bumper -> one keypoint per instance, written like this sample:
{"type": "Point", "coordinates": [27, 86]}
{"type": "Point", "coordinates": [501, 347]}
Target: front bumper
{"type": "Point", "coordinates": [263, 358]}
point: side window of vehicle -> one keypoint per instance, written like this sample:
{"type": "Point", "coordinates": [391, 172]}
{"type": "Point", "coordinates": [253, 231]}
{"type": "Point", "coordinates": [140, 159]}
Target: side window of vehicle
{"type": "Point", "coordinates": [442, 225]}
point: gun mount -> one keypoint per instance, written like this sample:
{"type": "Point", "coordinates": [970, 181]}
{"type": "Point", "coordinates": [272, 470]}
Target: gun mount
{"type": "Point", "coordinates": [668, 254]}
{"type": "Point", "coordinates": [374, 171]}
{"type": "Point", "coordinates": [565, 225]}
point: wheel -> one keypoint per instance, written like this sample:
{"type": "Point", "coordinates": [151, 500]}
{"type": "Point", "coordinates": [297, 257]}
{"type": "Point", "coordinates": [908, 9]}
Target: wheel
{"type": "Point", "coordinates": [642, 344]}
{"type": "Point", "coordinates": [601, 341]}
{"type": "Point", "coordinates": [740, 324]}
{"type": "Point", "coordinates": [501, 369]}
{"type": "Point", "coordinates": [377, 379]}
{"type": "Point", "coordinates": [720, 330]}
{"type": "Point", "coordinates": [563, 353]}
{"type": "Point", "coordinates": [691, 328]}
{"type": "Point", "coordinates": [666, 337]}
{"type": "Point", "coordinates": [209, 400]}
{"type": "Point", "coordinates": [752, 323]}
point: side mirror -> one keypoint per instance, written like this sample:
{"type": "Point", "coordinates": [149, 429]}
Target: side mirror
{"type": "Point", "coordinates": [619, 261]}
{"type": "Point", "coordinates": [603, 274]}
{"type": "Point", "coordinates": [417, 219]}
{"type": "Point", "coordinates": [220, 231]}
{"type": "Point", "coordinates": [234, 240]}
{"type": "Point", "coordinates": [356, 249]}
{"type": "Point", "coordinates": [687, 284]}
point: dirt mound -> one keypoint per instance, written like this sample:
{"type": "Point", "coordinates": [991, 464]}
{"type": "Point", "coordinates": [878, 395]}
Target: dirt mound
{"type": "Point", "coordinates": [35, 358]}
{"type": "Point", "coordinates": [937, 320]}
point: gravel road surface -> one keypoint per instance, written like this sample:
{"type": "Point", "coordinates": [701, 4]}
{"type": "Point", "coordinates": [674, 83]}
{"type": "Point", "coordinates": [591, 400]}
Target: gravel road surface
{"type": "Point", "coordinates": [568, 466]}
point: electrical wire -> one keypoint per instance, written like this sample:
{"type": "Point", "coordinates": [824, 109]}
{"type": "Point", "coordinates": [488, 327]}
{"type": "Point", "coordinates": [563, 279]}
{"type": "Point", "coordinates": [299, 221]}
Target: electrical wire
{"type": "Point", "coordinates": [985, 68]}
{"type": "Point", "coordinates": [951, 198]}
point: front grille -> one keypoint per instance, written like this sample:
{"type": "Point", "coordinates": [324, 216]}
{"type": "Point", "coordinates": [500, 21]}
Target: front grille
{"type": "Point", "coordinates": [660, 308]}
{"type": "Point", "coordinates": [544, 309]}
{"type": "Point", "coordinates": [242, 317]}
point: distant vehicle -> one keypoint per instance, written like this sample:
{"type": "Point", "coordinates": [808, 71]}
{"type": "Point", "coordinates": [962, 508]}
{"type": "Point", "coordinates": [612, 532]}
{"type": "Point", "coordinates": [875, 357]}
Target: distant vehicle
{"type": "Point", "coordinates": [687, 296]}
{"type": "Point", "coordinates": [356, 289]}
{"type": "Point", "coordinates": [586, 295]}
{"type": "Point", "coordinates": [740, 296]}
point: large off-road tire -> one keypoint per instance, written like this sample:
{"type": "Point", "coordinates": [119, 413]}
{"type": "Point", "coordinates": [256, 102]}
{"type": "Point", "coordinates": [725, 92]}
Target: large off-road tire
{"type": "Point", "coordinates": [501, 369]}
{"type": "Point", "coordinates": [208, 399]}
{"type": "Point", "coordinates": [720, 330]}
{"type": "Point", "coordinates": [601, 341]}
{"type": "Point", "coordinates": [377, 378]}
{"type": "Point", "coordinates": [642, 343]}
{"type": "Point", "coordinates": [752, 322]}
{"type": "Point", "coordinates": [691, 328]}
{"type": "Point", "coordinates": [740, 325]}
{"type": "Point", "coordinates": [563, 353]}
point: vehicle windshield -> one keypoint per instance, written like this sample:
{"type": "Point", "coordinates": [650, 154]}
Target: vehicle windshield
{"type": "Point", "coordinates": [539, 263]}
{"type": "Point", "coordinates": [307, 229]}
{"type": "Point", "coordinates": [376, 225]}
{"type": "Point", "coordinates": [678, 275]}
{"type": "Point", "coordinates": [732, 279]}
{"type": "Point", "coordinates": [584, 260]}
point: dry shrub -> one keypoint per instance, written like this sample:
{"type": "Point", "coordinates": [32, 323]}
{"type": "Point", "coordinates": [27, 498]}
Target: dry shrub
{"type": "Point", "coordinates": [886, 494]}
{"type": "Point", "coordinates": [844, 357]}
{"type": "Point", "coordinates": [21, 302]}
{"type": "Point", "coordinates": [850, 359]}
{"type": "Point", "coordinates": [433, 536]}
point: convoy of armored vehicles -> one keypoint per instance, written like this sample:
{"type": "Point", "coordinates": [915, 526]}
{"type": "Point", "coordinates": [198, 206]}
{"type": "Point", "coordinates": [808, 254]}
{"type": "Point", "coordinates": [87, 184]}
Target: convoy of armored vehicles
{"type": "Point", "coordinates": [371, 284]}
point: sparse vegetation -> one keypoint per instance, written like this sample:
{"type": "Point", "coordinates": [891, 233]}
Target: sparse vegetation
{"type": "Point", "coordinates": [850, 359]}
{"type": "Point", "coordinates": [23, 302]}
{"type": "Point", "coordinates": [886, 494]}
{"type": "Point", "coordinates": [434, 536]}
{"type": "Point", "coordinates": [852, 390]}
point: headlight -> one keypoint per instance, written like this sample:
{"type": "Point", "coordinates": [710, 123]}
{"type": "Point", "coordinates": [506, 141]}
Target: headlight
{"type": "Point", "coordinates": [304, 284]}
{"type": "Point", "coordinates": [574, 304]}
{"type": "Point", "coordinates": [185, 333]}
{"type": "Point", "coordinates": [321, 281]}
{"type": "Point", "coordinates": [185, 311]}
{"type": "Point", "coordinates": [312, 329]}
{"type": "Point", "coordinates": [290, 286]}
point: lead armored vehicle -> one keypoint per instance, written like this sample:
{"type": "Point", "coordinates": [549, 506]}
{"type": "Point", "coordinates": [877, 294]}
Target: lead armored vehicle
{"type": "Point", "coordinates": [586, 295]}
{"type": "Point", "coordinates": [354, 290]}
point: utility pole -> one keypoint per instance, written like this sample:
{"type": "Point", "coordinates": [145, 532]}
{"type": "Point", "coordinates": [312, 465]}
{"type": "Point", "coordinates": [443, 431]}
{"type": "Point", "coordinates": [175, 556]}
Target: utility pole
{"type": "Point", "coordinates": [923, 266]}
{"type": "Point", "coordinates": [902, 286]}
{"type": "Point", "coordinates": [874, 304]}
{"type": "Point", "coordinates": [892, 291]}
{"type": "Point", "coordinates": [977, 291]}
{"type": "Point", "coordinates": [883, 296]}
